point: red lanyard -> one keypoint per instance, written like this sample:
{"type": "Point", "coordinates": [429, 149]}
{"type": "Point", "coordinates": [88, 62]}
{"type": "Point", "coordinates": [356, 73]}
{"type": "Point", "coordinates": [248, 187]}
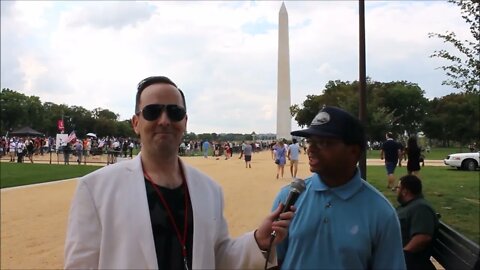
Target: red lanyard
{"type": "Point", "coordinates": [182, 240]}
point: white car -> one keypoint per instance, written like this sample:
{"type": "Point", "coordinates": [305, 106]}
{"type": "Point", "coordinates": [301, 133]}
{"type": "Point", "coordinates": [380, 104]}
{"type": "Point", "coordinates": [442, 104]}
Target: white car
{"type": "Point", "coordinates": [466, 161]}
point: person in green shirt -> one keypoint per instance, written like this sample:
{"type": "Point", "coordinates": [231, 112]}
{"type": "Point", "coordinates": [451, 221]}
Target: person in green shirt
{"type": "Point", "coordinates": [418, 222]}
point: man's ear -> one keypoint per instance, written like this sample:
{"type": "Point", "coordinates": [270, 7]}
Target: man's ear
{"type": "Point", "coordinates": [134, 123]}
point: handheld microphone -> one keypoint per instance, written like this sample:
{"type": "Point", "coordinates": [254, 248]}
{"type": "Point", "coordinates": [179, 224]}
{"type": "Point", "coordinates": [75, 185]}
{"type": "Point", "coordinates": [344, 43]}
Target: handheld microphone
{"type": "Point", "coordinates": [296, 188]}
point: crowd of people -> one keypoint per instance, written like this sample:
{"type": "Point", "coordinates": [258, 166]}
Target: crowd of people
{"type": "Point", "coordinates": [20, 149]}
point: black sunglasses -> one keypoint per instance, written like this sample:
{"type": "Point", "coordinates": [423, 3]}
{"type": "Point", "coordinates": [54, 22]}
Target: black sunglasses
{"type": "Point", "coordinates": [153, 111]}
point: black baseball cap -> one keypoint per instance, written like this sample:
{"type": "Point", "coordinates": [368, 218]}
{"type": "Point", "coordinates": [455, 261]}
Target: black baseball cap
{"type": "Point", "coordinates": [337, 123]}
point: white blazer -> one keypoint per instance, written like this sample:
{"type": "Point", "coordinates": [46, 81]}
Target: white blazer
{"type": "Point", "coordinates": [109, 225]}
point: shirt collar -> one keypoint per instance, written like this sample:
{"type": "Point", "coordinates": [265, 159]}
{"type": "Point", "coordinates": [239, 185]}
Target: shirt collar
{"type": "Point", "coordinates": [344, 191]}
{"type": "Point", "coordinates": [414, 199]}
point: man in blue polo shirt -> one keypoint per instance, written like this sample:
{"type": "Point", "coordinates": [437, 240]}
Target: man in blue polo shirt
{"type": "Point", "coordinates": [341, 221]}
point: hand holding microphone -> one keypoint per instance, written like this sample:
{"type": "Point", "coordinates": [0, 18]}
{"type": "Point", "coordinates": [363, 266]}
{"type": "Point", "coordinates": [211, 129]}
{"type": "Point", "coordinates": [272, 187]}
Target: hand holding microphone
{"type": "Point", "coordinates": [275, 226]}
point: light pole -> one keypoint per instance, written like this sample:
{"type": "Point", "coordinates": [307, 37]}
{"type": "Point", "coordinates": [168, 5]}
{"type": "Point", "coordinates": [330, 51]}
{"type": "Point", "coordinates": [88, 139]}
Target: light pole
{"type": "Point", "coordinates": [363, 83]}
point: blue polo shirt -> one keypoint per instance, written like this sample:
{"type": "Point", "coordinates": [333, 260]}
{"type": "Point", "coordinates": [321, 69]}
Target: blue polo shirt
{"type": "Point", "coordinates": [348, 227]}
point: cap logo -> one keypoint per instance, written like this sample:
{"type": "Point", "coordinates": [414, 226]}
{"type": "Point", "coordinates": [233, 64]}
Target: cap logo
{"type": "Point", "coordinates": [320, 119]}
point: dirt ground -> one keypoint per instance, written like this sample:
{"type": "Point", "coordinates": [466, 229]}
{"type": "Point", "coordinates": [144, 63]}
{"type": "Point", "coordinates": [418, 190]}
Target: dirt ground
{"type": "Point", "coordinates": [34, 218]}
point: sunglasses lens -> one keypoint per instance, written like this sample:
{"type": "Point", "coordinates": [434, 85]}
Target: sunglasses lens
{"type": "Point", "coordinates": [152, 112]}
{"type": "Point", "coordinates": [175, 112]}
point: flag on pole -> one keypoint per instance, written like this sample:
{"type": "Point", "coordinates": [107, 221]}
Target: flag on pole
{"type": "Point", "coordinates": [72, 137]}
{"type": "Point", "coordinates": [60, 125]}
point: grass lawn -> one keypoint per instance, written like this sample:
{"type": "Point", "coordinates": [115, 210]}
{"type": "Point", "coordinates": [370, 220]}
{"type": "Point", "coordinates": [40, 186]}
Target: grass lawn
{"type": "Point", "coordinates": [454, 194]}
{"type": "Point", "coordinates": [19, 174]}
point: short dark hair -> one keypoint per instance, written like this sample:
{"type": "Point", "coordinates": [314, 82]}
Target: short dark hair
{"type": "Point", "coordinates": [294, 140]}
{"type": "Point", "coordinates": [411, 183]}
{"type": "Point", "coordinates": [390, 135]}
{"type": "Point", "coordinates": [153, 80]}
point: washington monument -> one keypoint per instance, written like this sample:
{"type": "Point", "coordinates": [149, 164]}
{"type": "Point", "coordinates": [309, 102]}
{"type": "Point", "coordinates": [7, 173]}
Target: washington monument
{"type": "Point", "coordinates": [284, 119]}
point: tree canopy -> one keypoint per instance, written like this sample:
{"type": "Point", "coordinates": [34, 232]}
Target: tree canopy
{"type": "Point", "coordinates": [19, 110]}
{"type": "Point", "coordinates": [399, 107]}
{"type": "Point", "coordinates": [464, 68]}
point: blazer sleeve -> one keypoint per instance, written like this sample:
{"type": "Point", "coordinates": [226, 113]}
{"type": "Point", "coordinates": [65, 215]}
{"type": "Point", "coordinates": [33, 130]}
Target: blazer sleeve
{"type": "Point", "coordinates": [239, 253]}
{"type": "Point", "coordinates": [82, 245]}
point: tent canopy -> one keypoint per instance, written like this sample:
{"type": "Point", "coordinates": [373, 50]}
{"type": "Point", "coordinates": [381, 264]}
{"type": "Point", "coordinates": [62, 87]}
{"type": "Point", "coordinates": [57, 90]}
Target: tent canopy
{"type": "Point", "coordinates": [26, 131]}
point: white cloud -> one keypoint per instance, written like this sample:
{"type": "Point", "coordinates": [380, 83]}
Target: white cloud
{"type": "Point", "coordinates": [111, 14]}
{"type": "Point", "coordinates": [222, 54]}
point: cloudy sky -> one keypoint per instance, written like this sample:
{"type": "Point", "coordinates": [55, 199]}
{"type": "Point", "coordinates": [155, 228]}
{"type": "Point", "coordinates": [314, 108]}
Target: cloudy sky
{"type": "Point", "coordinates": [223, 55]}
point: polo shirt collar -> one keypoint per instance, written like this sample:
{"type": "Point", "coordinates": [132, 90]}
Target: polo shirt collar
{"type": "Point", "coordinates": [345, 191]}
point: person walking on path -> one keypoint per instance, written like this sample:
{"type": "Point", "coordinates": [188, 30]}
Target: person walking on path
{"type": "Point", "coordinates": [293, 154]}
{"type": "Point", "coordinates": [247, 153]}
{"type": "Point", "coordinates": [79, 151]}
{"type": "Point", "coordinates": [12, 149]}
{"type": "Point", "coordinates": [391, 152]}
{"type": "Point", "coordinates": [280, 158]}
{"type": "Point", "coordinates": [414, 154]}
{"type": "Point", "coordinates": [156, 212]}
{"type": "Point", "coordinates": [29, 146]}
{"type": "Point", "coordinates": [205, 147]}
{"type": "Point", "coordinates": [242, 149]}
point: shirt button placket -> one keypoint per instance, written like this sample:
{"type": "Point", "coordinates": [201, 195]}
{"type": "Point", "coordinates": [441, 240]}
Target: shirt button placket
{"type": "Point", "coordinates": [327, 207]}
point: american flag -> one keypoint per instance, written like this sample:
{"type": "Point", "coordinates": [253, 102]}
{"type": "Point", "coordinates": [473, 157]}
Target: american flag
{"type": "Point", "coordinates": [72, 137]}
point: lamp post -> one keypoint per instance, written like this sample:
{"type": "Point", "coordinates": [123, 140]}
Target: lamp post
{"type": "Point", "coordinates": [363, 82]}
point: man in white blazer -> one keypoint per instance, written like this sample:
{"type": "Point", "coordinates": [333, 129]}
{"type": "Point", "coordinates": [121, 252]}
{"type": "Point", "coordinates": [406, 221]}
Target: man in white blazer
{"type": "Point", "coordinates": [154, 211]}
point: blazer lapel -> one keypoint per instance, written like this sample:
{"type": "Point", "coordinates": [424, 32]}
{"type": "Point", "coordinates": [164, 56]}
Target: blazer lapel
{"type": "Point", "coordinates": [194, 192]}
{"type": "Point", "coordinates": [142, 225]}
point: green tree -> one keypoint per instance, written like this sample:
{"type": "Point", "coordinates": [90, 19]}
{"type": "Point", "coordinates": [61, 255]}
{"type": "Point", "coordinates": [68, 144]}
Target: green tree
{"type": "Point", "coordinates": [205, 136]}
{"type": "Point", "coordinates": [305, 114]}
{"type": "Point", "coordinates": [81, 120]}
{"type": "Point", "coordinates": [405, 101]}
{"type": "Point", "coordinates": [105, 127]}
{"type": "Point", "coordinates": [125, 129]}
{"type": "Point", "coordinates": [189, 136]}
{"type": "Point", "coordinates": [14, 111]}
{"type": "Point", "coordinates": [35, 113]}
{"type": "Point", "coordinates": [52, 113]}
{"type": "Point", "coordinates": [454, 117]}
{"type": "Point", "coordinates": [394, 106]}
{"type": "Point", "coordinates": [105, 114]}
{"type": "Point", "coordinates": [464, 68]}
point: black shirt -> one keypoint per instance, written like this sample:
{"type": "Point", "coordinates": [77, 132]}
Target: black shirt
{"type": "Point", "coordinates": [167, 245]}
{"type": "Point", "coordinates": [390, 149]}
